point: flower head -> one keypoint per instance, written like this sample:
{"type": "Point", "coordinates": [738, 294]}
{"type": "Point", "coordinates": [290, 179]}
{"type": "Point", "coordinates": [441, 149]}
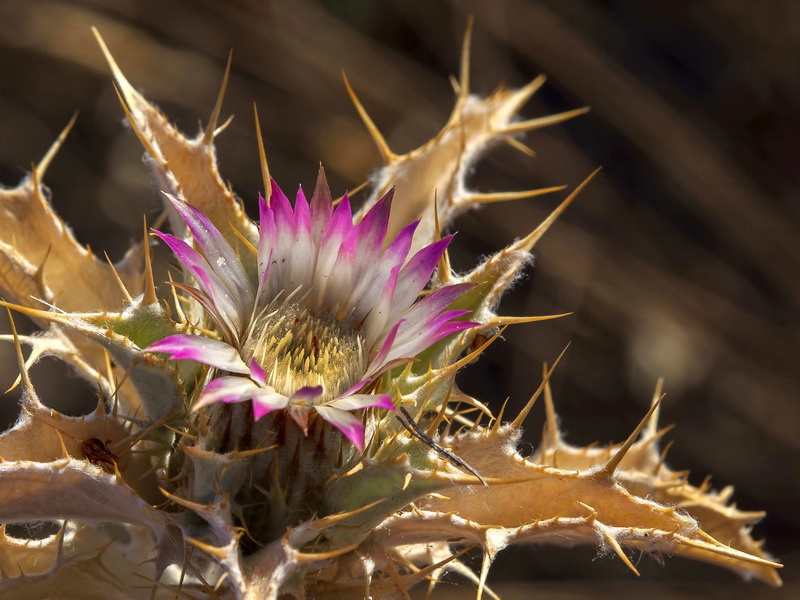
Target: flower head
{"type": "Point", "coordinates": [332, 308]}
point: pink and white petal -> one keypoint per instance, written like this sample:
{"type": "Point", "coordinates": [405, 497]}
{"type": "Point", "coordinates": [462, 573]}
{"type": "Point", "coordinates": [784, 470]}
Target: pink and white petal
{"type": "Point", "coordinates": [304, 254]}
{"type": "Point", "coordinates": [257, 374]}
{"type": "Point", "coordinates": [285, 225]}
{"type": "Point", "coordinates": [412, 342]}
{"type": "Point", "coordinates": [284, 215]}
{"type": "Point", "coordinates": [306, 394]}
{"type": "Point", "coordinates": [352, 427]}
{"type": "Point", "coordinates": [339, 226]}
{"type": "Point", "coordinates": [375, 322]}
{"type": "Point", "coordinates": [415, 275]}
{"type": "Point", "coordinates": [374, 281]}
{"type": "Point", "coordinates": [433, 304]}
{"type": "Point", "coordinates": [203, 350]}
{"type": "Point", "coordinates": [362, 401]}
{"type": "Point", "coordinates": [267, 237]}
{"type": "Point", "coordinates": [227, 390]}
{"type": "Point", "coordinates": [217, 250]}
{"type": "Point", "coordinates": [267, 400]}
{"type": "Point", "coordinates": [357, 386]}
{"type": "Point", "coordinates": [338, 229]}
{"type": "Point", "coordinates": [367, 268]}
{"type": "Point", "coordinates": [262, 293]}
{"type": "Point", "coordinates": [380, 359]}
{"type": "Point", "coordinates": [372, 228]}
{"type": "Point", "coordinates": [226, 306]}
{"type": "Point", "coordinates": [340, 281]}
{"type": "Point", "coordinates": [429, 327]}
{"type": "Point", "coordinates": [226, 326]}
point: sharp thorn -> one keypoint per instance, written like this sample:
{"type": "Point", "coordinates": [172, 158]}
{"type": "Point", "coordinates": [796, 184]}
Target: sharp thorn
{"type": "Point", "coordinates": [386, 153]}
{"type": "Point", "coordinates": [262, 156]}
{"type": "Point", "coordinates": [610, 467]}
{"type": "Point", "coordinates": [528, 242]}
{"type": "Point", "coordinates": [118, 279]}
{"type": "Point", "coordinates": [545, 121]}
{"type": "Point", "coordinates": [211, 129]}
{"type": "Point", "coordinates": [41, 168]}
{"type": "Point", "coordinates": [612, 541]}
{"type": "Point", "coordinates": [517, 145]}
{"type": "Point", "coordinates": [150, 296]}
{"type": "Point", "coordinates": [505, 196]}
{"type": "Point", "coordinates": [517, 422]}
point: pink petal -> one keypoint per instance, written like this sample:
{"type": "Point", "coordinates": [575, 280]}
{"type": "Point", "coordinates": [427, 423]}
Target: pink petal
{"type": "Point", "coordinates": [257, 374]}
{"type": "Point", "coordinates": [340, 281]}
{"type": "Point", "coordinates": [303, 251]}
{"type": "Point", "coordinates": [421, 336]}
{"type": "Point", "coordinates": [267, 238]}
{"type": "Point", "coordinates": [267, 400]}
{"type": "Point", "coordinates": [225, 326]}
{"type": "Point", "coordinates": [357, 386]}
{"type": "Point", "coordinates": [375, 321]}
{"type": "Point", "coordinates": [226, 389]}
{"type": "Point", "coordinates": [217, 250]}
{"type": "Point", "coordinates": [352, 427]}
{"type": "Point", "coordinates": [201, 349]}
{"type": "Point", "coordinates": [227, 307]}
{"type": "Point", "coordinates": [372, 228]}
{"type": "Point", "coordinates": [380, 359]}
{"type": "Point", "coordinates": [338, 229]}
{"type": "Point", "coordinates": [278, 197]}
{"type": "Point", "coordinates": [415, 276]}
{"type": "Point", "coordinates": [307, 394]}
{"type": "Point", "coordinates": [373, 282]}
{"type": "Point", "coordinates": [362, 401]}
{"type": "Point", "coordinates": [430, 306]}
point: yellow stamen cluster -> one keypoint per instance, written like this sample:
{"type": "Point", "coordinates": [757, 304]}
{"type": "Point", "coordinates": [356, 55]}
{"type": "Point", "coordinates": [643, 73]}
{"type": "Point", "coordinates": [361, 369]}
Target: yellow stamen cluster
{"type": "Point", "coordinates": [298, 348]}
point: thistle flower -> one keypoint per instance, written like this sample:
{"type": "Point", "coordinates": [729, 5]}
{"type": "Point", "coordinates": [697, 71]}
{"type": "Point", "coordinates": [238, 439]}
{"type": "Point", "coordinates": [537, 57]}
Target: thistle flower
{"type": "Point", "coordinates": [330, 313]}
{"type": "Point", "coordinates": [311, 324]}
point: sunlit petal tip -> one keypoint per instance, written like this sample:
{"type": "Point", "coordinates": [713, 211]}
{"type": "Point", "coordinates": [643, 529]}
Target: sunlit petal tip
{"type": "Point", "coordinates": [225, 389]}
{"type": "Point", "coordinates": [383, 401]}
{"type": "Point", "coordinates": [357, 386]}
{"type": "Point", "coordinates": [266, 401]}
{"type": "Point", "coordinates": [454, 327]}
{"type": "Point", "coordinates": [172, 198]}
{"type": "Point", "coordinates": [201, 349]}
{"type": "Point", "coordinates": [257, 374]}
{"type": "Point", "coordinates": [386, 347]}
{"type": "Point", "coordinates": [277, 194]}
{"type": "Point", "coordinates": [351, 427]}
{"type": "Point", "coordinates": [388, 196]}
{"type": "Point", "coordinates": [307, 394]}
{"type": "Point", "coordinates": [362, 401]}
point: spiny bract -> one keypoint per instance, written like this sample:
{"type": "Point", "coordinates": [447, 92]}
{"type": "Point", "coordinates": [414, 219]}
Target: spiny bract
{"type": "Point", "coordinates": [193, 494]}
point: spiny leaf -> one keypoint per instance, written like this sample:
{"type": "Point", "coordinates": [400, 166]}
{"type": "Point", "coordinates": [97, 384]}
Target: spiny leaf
{"type": "Point", "coordinates": [185, 167]}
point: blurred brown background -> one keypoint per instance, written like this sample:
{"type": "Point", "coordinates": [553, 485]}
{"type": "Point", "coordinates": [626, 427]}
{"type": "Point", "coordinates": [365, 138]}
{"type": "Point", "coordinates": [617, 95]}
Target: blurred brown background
{"type": "Point", "coordinates": [681, 260]}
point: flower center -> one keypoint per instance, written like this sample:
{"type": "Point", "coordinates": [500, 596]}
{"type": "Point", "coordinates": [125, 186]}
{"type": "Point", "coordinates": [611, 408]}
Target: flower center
{"type": "Point", "coordinates": [298, 348]}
